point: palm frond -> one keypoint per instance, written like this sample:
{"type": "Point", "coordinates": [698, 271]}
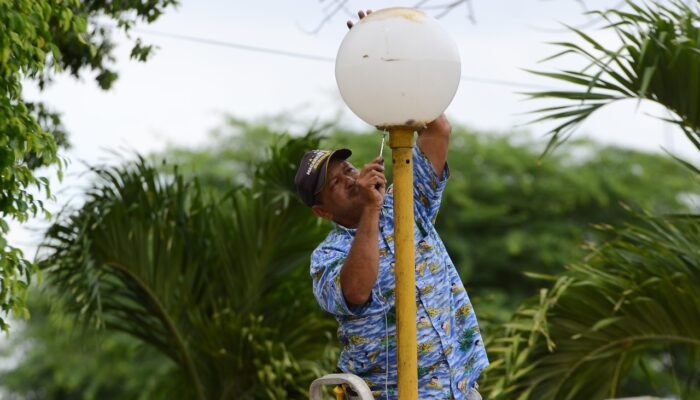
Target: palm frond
{"type": "Point", "coordinates": [153, 255]}
{"type": "Point", "coordinates": [658, 60]}
{"type": "Point", "coordinates": [580, 337]}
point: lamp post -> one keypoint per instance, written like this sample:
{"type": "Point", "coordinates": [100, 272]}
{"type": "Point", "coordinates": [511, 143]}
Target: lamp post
{"type": "Point", "coordinates": [398, 70]}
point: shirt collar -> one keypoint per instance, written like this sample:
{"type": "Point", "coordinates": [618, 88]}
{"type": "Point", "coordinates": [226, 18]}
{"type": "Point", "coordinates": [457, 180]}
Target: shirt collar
{"type": "Point", "coordinates": [343, 230]}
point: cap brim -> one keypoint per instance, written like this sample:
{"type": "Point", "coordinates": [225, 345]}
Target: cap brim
{"type": "Point", "coordinates": [341, 154]}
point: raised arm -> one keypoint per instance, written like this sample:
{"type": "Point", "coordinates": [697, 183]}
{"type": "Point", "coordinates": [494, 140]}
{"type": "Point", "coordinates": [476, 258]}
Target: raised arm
{"type": "Point", "coordinates": [434, 140]}
{"type": "Point", "coordinates": [361, 267]}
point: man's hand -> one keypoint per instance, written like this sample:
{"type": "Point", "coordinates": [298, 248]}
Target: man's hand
{"type": "Point", "coordinates": [372, 183]}
{"type": "Point", "coordinates": [360, 14]}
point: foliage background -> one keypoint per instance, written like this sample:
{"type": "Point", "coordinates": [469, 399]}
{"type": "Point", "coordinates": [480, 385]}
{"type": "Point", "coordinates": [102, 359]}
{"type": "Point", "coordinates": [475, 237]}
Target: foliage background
{"type": "Point", "coordinates": [38, 40]}
{"type": "Point", "coordinates": [152, 258]}
{"type": "Point", "coordinates": [535, 219]}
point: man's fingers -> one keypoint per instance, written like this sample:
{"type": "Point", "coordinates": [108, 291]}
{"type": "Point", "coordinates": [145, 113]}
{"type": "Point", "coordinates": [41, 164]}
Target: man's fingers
{"type": "Point", "coordinates": [377, 173]}
{"type": "Point", "coordinates": [377, 162]}
{"type": "Point", "coordinates": [372, 172]}
{"type": "Point", "coordinates": [360, 14]}
{"type": "Point", "coordinates": [376, 167]}
{"type": "Point", "coordinates": [376, 181]}
{"type": "Point", "coordinates": [373, 166]}
{"type": "Point", "coordinates": [372, 175]}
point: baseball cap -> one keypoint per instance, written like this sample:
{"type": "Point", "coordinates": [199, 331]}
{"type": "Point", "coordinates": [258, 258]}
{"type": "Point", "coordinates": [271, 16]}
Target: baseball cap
{"type": "Point", "coordinates": [312, 171]}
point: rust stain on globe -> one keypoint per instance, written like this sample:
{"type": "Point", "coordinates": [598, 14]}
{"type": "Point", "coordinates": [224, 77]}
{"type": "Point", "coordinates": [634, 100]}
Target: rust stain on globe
{"type": "Point", "coordinates": [406, 13]}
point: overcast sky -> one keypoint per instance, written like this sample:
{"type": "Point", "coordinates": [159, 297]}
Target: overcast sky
{"type": "Point", "coordinates": [180, 95]}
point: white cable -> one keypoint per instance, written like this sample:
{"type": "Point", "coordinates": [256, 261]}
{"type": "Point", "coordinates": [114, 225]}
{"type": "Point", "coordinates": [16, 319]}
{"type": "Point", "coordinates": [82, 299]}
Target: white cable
{"type": "Point", "coordinates": [386, 337]}
{"type": "Point", "coordinates": [381, 149]}
{"type": "Point", "coordinates": [386, 357]}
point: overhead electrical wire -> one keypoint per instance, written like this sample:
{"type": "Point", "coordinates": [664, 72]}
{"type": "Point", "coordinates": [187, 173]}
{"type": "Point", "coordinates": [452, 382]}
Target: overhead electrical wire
{"type": "Point", "coordinates": [305, 56]}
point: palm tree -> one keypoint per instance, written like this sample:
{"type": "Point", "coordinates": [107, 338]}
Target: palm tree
{"type": "Point", "coordinates": [637, 296]}
{"type": "Point", "coordinates": [219, 284]}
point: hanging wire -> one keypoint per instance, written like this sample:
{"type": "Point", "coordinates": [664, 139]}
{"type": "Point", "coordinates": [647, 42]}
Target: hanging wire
{"type": "Point", "coordinates": [311, 57]}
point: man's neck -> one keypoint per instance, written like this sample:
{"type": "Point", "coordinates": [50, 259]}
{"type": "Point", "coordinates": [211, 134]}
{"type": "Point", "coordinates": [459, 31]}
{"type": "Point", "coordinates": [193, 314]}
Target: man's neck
{"type": "Point", "coordinates": [347, 225]}
{"type": "Point", "coordinates": [349, 222]}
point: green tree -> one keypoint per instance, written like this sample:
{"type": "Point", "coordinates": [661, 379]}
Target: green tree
{"type": "Point", "coordinates": [635, 296]}
{"type": "Point", "coordinates": [39, 39]}
{"type": "Point", "coordinates": [58, 359]}
{"type": "Point", "coordinates": [131, 209]}
{"type": "Point", "coordinates": [231, 154]}
{"type": "Point", "coordinates": [504, 211]}
{"type": "Point", "coordinates": [216, 283]}
{"type": "Point", "coordinates": [616, 317]}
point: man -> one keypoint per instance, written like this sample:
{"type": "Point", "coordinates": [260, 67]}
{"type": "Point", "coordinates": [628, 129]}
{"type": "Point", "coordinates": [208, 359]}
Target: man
{"type": "Point", "coordinates": [353, 271]}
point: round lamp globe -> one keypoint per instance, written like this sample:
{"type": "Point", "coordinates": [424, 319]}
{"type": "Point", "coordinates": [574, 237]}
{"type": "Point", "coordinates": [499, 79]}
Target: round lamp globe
{"type": "Point", "coordinates": [397, 67]}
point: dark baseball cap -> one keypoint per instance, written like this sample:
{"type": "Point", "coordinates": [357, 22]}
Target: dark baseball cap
{"type": "Point", "coordinates": [311, 175]}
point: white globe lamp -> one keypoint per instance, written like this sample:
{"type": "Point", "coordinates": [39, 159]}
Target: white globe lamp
{"type": "Point", "coordinates": [397, 67]}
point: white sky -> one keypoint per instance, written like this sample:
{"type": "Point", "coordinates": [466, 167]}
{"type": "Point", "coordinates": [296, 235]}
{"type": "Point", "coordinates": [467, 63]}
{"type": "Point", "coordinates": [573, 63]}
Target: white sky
{"type": "Point", "coordinates": [183, 91]}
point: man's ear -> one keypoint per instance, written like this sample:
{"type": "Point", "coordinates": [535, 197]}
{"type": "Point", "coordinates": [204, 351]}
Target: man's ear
{"type": "Point", "coordinates": [321, 212]}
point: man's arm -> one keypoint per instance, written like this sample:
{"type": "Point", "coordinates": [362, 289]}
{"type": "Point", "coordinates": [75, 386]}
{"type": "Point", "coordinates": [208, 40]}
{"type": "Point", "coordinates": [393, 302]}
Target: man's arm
{"type": "Point", "coordinates": [434, 140]}
{"type": "Point", "coordinates": [361, 267]}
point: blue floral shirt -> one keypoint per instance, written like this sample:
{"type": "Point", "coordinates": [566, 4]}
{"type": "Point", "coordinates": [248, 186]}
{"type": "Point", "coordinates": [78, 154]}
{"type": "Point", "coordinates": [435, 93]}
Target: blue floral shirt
{"type": "Point", "coordinates": [451, 352]}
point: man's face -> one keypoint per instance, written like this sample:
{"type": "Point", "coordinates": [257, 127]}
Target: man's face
{"type": "Point", "coordinates": [338, 200]}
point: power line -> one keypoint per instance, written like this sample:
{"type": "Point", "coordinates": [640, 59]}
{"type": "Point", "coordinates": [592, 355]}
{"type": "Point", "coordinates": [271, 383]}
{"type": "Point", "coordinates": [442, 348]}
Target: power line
{"type": "Point", "coordinates": [312, 57]}
{"type": "Point", "coordinates": [238, 46]}
{"type": "Point", "coordinates": [504, 83]}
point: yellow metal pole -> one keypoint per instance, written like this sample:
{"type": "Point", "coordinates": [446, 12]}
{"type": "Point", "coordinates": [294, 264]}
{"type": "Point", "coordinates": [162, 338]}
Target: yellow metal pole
{"type": "Point", "coordinates": [401, 142]}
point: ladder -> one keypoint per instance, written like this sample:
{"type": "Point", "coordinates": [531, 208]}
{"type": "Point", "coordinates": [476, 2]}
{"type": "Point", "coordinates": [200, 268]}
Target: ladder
{"type": "Point", "coordinates": [354, 382]}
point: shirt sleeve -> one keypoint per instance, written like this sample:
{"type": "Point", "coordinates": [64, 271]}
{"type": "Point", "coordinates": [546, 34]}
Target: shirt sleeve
{"type": "Point", "coordinates": [427, 186]}
{"type": "Point", "coordinates": [326, 263]}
